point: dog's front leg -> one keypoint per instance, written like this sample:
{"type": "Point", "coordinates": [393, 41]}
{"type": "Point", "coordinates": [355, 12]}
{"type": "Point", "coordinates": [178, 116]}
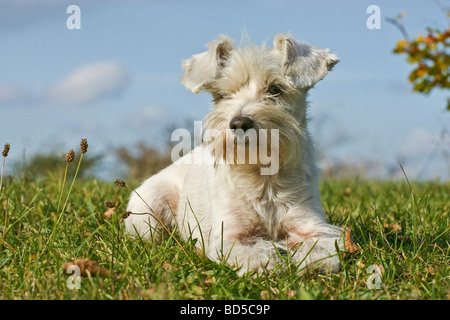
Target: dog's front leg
{"type": "Point", "coordinates": [312, 241]}
{"type": "Point", "coordinates": [238, 240]}
{"type": "Point", "coordinates": [247, 255]}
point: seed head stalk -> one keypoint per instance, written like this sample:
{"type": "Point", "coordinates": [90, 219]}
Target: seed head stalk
{"type": "Point", "coordinates": [69, 158]}
{"type": "Point", "coordinates": [4, 154]}
{"type": "Point", "coordinates": [1, 177]}
{"type": "Point", "coordinates": [84, 146]}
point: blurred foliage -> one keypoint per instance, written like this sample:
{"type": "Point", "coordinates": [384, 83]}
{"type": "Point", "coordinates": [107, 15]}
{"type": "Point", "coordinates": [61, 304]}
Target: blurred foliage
{"type": "Point", "coordinates": [40, 166]}
{"type": "Point", "coordinates": [143, 163]}
{"type": "Point", "coordinates": [429, 55]}
{"type": "Point", "coordinates": [143, 160]}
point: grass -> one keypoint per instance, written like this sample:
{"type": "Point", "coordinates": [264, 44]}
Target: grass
{"type": "Point", "coordinates": [403, 229]}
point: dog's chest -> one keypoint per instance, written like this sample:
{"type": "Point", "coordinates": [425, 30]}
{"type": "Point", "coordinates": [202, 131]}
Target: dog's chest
{"type": "Point", "coordinates": [262, 205]}
{"type": "Point", "coordinates": [268, 211]}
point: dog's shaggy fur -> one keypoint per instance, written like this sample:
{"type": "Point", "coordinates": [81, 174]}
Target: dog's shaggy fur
{"type": "Point", "coordinates": [237, 212]}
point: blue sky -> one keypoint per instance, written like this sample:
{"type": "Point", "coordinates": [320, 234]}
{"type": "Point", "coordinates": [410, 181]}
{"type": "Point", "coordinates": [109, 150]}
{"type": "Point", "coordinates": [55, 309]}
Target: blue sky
{"type": "Point", "coordinates": [116, 80]}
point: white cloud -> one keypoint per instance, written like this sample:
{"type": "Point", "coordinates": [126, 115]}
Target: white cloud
{"type": "Point", "coordinates": [89, 83]}
{"type": "Point", "coordinates": [13, 95]}
{"type": "Point", "coordinates": [151, 114]}
{"type": "Point", "coordinates": [419, 142]}
{"type": "Point", "coordinates": [425, 155]}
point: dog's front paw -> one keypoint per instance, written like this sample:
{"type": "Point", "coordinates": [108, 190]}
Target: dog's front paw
{"type": "Point", "coordinates": [256, 266]}
{"type": "Point", "coordinates": [318, 256]}
{"type": "Point", "coordinates": [257, 258]}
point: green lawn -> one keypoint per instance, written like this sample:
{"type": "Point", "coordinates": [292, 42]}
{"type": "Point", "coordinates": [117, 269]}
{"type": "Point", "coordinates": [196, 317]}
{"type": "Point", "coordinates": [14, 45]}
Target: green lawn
{"type": "Point", "coordinates": [403, 231]}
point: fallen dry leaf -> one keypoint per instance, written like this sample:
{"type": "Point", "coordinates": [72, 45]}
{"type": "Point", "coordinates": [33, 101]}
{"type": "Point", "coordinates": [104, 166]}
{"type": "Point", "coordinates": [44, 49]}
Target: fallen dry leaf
{"type": "Point", "coordinates": [347, 191]}
{"type": "Point", "coordinates": [210, 281]}
{"type": "Point", "coordinates": [168, 267]}
{"type": "Point", "coordinates": [291, 294]}
{"type": "Point", "coordinates": [360, 264]}
{"type": "Point", "coordinates": [87, 267]}
{"type": "Point", "coordinates": [108, 213]}
{"type": "Point", "coordinates": [393, 226]}
{"type": "Point", "coordinates": [380, 268]}
{"type": "Point", "coordinates": [430, 270]}
{"type": "Point", "coordinates": [149, 294]}
{"type": "Point", "coordinates": [111, 207]}
{"type": "Point", "coordinates": [265, 295]}
{"type": "Point", "coordinates": [350, 246]}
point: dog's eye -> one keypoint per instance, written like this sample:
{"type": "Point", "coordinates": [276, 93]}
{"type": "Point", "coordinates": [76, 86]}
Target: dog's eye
{"type": "Point", "coordinates": [274, 90]}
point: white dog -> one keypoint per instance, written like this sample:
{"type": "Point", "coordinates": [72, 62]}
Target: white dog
{"type": "Point", "coordinates": [237, 211]}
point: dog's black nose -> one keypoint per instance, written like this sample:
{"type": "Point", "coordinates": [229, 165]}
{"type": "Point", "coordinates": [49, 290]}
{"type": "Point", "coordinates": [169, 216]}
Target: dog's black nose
{"type": "Point", "coordinates": [243, 123]}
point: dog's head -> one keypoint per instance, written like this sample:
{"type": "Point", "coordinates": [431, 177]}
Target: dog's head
{"type": "Point", "coordinates": [256, 90]}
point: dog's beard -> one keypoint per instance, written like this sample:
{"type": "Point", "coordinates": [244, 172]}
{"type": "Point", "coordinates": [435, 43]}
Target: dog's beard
{"type": "Point", "coordinates": [255, 149]}
{"type": "Point", "coordinates": [241, 148]}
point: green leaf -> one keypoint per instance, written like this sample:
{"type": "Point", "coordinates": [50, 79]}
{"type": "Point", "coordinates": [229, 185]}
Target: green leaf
{"type": "Point", "coordinates": [420, 86]}
{"type": "Point", "coordinates": [413, 75]}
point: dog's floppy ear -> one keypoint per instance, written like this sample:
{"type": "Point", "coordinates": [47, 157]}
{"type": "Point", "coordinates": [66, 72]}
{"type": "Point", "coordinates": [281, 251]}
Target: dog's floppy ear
{"type": "Point", "coordinates": [204, 67]}
{"type": "Point", "coordinates": [306, 65]}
